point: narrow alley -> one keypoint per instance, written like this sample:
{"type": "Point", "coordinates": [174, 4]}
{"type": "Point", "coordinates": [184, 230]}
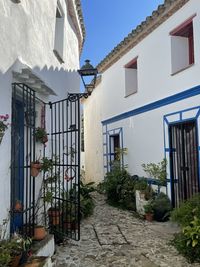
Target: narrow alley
{"type": "Point", "coordinates": [115, 238]}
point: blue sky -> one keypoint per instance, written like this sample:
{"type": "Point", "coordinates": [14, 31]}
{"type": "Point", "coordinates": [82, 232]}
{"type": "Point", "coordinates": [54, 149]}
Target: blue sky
{"type": "Point", "coordinates": [107, 22]}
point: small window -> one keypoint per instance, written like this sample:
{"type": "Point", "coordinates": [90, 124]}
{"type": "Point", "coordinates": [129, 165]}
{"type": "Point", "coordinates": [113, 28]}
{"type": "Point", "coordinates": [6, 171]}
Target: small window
{"type": "Point", "coordinates": [182, 46]}
{"type": "Point", "coordinates": [131, 79]}
{"type": "Point", "coordinates": [59, 34]}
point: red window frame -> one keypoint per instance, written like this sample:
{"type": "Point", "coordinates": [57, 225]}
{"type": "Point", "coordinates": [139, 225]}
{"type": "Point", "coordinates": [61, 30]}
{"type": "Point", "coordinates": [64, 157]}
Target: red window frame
{"type": "Point", "coordinates": [185, 29]}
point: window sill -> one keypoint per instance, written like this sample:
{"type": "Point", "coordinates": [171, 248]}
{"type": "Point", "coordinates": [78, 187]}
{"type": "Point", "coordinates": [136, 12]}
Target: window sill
{"type": "Point", "coordinates": [58, 57]}
{"type": "Point", "coordinates": [178, 71]}
{"type": "Point", "coordinates": [16, 1]}
{"type": "Point", "coordinates": [130, 94]}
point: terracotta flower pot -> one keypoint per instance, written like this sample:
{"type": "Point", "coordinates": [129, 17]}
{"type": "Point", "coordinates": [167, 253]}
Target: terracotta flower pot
{"type": "Point", "coordinates": [18, 206]}
{"type": "Point", "coordinates": [45, 139]}
{"type": "Point", "coordinates": [149, 217]}
{"type": "Point", "coordinates": [15, 260]}
{"type": "Point", "coordinates": [54, 216]}
{"type": "Point", "coordinates": [39, 232]}
{"type": "Point", "coordinates": [35, 169]}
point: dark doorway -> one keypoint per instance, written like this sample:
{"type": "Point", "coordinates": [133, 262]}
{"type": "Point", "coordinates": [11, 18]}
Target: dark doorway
{"type": "Point", "coordinates": [184, 169]}
{"type": "Point", "coordinates": [114, 145]}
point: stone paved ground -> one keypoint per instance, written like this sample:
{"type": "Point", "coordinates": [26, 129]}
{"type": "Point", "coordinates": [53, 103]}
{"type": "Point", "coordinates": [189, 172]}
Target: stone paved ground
{"type": "Point", "coordinates": [115, 238]}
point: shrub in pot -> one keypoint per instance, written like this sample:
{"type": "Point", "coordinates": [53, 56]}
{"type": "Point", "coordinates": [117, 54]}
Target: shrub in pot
{"type": "Point", "coordinates": [41, 135]}
{"type": "Point", "coordinates": [161, 207]}
{"type": "Point", "coordinates": [148, 209]}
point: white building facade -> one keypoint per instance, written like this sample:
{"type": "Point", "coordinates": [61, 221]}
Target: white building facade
{"type": "Point", "coordinates": [40, 47]}
{"type": "Point", "coordinates": [147, 100]}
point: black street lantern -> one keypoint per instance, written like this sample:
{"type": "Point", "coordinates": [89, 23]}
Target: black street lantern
{"type": "Point", "coordinates": [87, 70]}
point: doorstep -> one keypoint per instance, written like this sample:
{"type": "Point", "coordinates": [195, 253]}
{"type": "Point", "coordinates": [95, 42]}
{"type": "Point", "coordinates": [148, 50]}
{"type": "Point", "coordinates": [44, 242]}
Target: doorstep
{"type": "Point", "coordinates": [42, 253]}
{"type": "Point", "coordinates": [45, 247]}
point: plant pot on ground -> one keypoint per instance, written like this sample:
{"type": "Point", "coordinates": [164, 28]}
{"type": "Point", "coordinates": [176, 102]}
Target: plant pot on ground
{"type": "Point", "coordinates": [148, 209]}
{"type": "Point", "coordinates": [15, 260]}
{"type": "Point", "coordinates": [54, 216]}
{"type": "Point", "coordinates": [39, 232]}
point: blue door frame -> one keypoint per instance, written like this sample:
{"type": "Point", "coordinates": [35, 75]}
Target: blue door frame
{"type": "Point", "coordinates": [17, 186]}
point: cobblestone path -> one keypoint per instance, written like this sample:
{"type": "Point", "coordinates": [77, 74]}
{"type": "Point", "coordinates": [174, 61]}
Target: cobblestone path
{"type": "Point", "coordinates": [115, 238]}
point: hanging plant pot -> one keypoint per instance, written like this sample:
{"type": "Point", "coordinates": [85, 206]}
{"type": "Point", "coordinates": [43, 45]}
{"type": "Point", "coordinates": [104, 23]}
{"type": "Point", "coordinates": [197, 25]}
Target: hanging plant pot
{"type": "Point", "coordinates": [45, 139]}
{"type": "Point", "coordinates": [35, 168]}
{"type": "Point", "coordinates": [39, 232]}
{"type": "Point", "coordinates": [41, 135]}
{"type": "Point", "coordinates": [18, 206]}
{"type": "Point", "coordinates": [1, 136]}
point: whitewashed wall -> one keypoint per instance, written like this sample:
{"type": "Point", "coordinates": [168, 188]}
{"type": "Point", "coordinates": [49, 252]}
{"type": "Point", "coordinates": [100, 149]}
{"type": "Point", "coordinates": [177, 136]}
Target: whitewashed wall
{"type": "Point", "coordinates": [143, 134]}
{"type": "Point", "coordinates": [27, 31]}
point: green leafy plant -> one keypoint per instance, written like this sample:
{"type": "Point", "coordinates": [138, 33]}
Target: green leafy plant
{"type": "Point", "coordinates": [119, 188]}
{"type": "Point", "coordinates": [192, 232]}
{"type": "Point", "coordinates": [188, 241]}
{"type": "Point", "coordinates": [86, 200]}
{"type": "Point", "coordinates": [120, 152]}
{"type": "Point", "coordinates": [161, 207]}
{"type": "Point", "coordinates": [157, 171]}
{"type": "Point", "coordinates": [41, 135]}
{"type": "Point", "coordinates": [47, 164]}
{"type": "Point", "coordinates": [148, 208]}
{"type": "Point", "coordinates": [192, 254]}
{"type": "Point", "coordinates": [141, 184]}
{"type": "Point", "coordinates": [187, 210]}
{"type": "Point", "coordinates": [5, 257]}
{"type": "Point", "coordinates": [11, 248]}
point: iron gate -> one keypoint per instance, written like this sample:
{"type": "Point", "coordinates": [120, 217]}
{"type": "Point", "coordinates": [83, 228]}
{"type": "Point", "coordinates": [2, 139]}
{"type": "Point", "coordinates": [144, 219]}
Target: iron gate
{"type": "Point", "coordinates": [23, 153]}
{"type": "Point", "coordinates": [59, 188]}
{"type": "Point", "coordinates": [184, 167]}
{"type": "Point", "coordinates": [64, 135]}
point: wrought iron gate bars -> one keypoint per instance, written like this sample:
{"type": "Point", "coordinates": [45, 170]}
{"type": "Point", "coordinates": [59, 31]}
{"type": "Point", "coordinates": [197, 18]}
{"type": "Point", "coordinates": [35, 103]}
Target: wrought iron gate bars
{"type": "Point", "coordinates": [65, 135]}
{"type": "Point", "coordinates": [67, 127]}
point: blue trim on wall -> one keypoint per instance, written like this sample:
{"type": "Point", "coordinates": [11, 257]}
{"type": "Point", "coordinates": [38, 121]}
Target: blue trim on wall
{"type": "Point", "coordinates": [181, 111]}
{"type": "Point", "coordinates": [157, 104]}
{"type": "Point", "coordinates": [107, 154]}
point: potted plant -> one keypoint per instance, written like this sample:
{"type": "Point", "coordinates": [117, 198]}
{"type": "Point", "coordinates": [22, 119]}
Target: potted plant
{"type": "Point", "coordinates": [5, 256]}
{"type": "Point", "coordinates": [35, 168]}
{"type": "Point", "coordinates": [41, 135]}
{"type": "Point", "coordinates": [16, 249]}
{"type": "Point", "coordinates": [54, 214]}
{"type": "Point", "coordinates": [46, 164]}
{"type": "Point", "coordinates": [148, 209]}
{"type": "Point", "coordinates": [39, 232]}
